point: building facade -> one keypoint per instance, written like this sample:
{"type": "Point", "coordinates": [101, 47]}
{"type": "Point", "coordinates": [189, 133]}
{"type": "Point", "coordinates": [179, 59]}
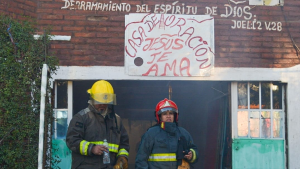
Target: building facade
{"type": "Point", "coordinates": [231, 65]}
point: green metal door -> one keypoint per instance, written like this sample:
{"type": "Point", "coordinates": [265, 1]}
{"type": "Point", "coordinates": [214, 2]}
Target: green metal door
{"type": "Point", "coordinates": [258, 119]}
{"type": "Point", "coordinates": [258, 154]}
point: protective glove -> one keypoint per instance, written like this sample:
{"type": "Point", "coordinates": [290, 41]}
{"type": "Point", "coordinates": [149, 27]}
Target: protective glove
{"type": "Point", "coordinates": [122, 163]}
{"type": "Point", "coordinates": [184, 165]}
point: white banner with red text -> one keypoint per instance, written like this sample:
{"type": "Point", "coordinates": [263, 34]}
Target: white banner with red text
{"type": "Point", "coordinates": [169, 45]}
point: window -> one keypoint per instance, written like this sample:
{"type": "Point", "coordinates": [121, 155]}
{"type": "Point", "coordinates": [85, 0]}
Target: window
{"type": "Point", "coordinates": [259, 110]}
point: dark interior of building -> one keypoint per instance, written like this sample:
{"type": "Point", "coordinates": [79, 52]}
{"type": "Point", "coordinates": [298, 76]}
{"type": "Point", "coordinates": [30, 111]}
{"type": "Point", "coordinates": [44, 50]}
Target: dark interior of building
{"type": "Point", "coordinates": [203, 111]}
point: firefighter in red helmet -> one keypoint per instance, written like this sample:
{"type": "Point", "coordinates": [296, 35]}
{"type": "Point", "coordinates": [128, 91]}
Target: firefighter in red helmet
{"type": "Point", "coordinates": [166, 145]}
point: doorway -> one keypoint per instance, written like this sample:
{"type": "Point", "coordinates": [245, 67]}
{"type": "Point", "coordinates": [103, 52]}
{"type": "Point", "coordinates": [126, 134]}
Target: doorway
{"type": "Point", "coordinates": [203, 111]}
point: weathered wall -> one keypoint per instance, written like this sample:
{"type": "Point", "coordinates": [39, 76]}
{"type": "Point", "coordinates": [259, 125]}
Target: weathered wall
{"type": "Point", "coordinates": [19, 9]}
{"type": "Point", "coordinates": [245, 36]}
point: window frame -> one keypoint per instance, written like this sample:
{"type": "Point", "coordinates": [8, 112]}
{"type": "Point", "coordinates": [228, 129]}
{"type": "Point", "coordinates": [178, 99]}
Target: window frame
{"type": "Point", "coordinates": [235, 110]}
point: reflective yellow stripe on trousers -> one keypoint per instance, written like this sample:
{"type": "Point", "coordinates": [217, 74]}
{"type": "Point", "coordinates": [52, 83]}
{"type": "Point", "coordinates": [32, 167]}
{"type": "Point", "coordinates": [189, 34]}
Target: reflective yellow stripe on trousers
{"type": "Point", "coordinates": [162, 157]}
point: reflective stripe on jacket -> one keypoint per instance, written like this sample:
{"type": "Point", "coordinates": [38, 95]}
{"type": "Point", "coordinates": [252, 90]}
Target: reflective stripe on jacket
{"type": "Point", "coordinates": [158, 147]}
{"type": "Point", "coordinates": [162, 157]}
{"type": "Point", "coordinates": [86, 129]}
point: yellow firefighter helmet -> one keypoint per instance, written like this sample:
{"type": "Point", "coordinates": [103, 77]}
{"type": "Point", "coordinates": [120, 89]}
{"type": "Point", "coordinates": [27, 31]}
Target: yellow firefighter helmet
{"type": "Point", "coordinates": [102, 92]}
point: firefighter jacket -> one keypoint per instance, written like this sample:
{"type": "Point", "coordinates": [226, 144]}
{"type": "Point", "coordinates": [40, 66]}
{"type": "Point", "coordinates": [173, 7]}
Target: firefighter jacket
{"type": "Point", "coordinates": [88, 128]}
{"type": "Point", "coordinates": [158, 147]}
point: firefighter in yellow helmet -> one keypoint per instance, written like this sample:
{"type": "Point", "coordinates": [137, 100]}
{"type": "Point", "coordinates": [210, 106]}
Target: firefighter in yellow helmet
{"type": "Point", "coordinates": [91, 126]}
{"type": "Point", "coordinates": [166, 145]}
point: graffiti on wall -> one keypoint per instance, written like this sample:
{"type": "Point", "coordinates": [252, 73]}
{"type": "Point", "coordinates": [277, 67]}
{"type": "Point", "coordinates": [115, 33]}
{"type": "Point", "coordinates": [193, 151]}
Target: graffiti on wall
{"type": "Point", "coordinates": [172, 8]}
{"type": "Point", "coordinates": [245, 19]}
{"type": "Point", "coordinates": [242, 15]}
{"type": "Point", "coordinates": [169, 45]}
{"type": "Point", "coordinates": [86, 5]}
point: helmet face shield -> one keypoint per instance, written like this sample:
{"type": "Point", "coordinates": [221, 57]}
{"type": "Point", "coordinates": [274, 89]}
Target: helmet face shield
{"type": "Point", "coordinates": [166, 105]}
{"type": "Point", "coordinates": [167, 109]}
{"type": "Point", "coordinates": [104, 98]}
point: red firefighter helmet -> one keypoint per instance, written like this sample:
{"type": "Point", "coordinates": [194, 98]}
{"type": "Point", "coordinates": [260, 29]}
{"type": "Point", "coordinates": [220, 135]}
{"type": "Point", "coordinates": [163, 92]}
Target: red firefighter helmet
{"type": "Point", "coordinates": [166, 105]}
